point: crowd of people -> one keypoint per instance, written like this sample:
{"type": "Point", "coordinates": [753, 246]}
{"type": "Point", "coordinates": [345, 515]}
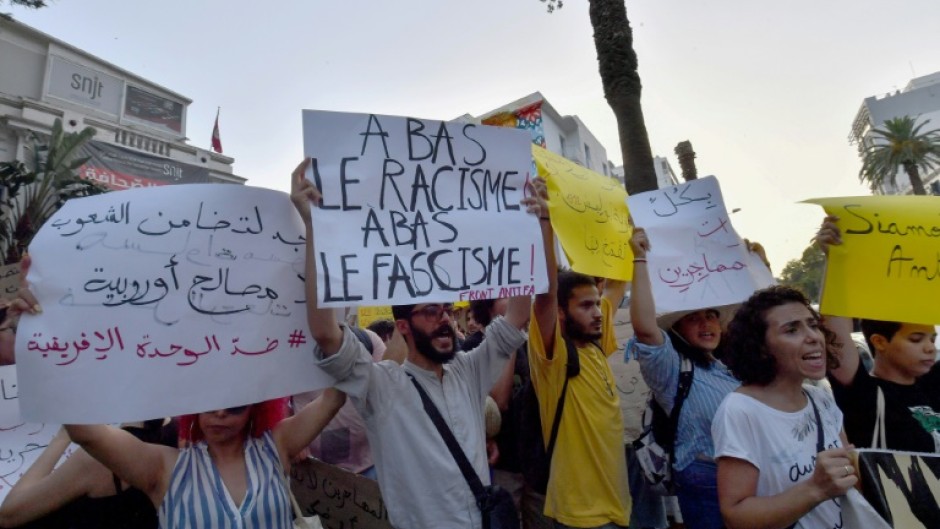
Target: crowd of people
{"type": "Point", "coordinates": [409, 409]}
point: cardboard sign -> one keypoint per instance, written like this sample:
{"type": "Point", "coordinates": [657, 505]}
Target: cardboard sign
{"type": "Point", "coordinates": [341, 499]}
{"type": "Point", "coordinates": [589, 215]}
{"type": "Point", "coordinates": [888, 265]}
{"type": "Point", "coordinates": [420, 211]}
{"type": "Point", "coordinates": [903, 487]}
{"type": "Point", "coordinates": [165, 301]}
{"type": "Point", "coordinates": [697, 259]}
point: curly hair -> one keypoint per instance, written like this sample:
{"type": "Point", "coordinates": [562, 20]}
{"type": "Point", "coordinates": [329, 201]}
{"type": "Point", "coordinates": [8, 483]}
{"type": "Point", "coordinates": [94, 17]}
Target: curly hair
{"type": "Point", "coordinates": [747, 355]}
{"type": "Point", "coordinates": [263, 417]}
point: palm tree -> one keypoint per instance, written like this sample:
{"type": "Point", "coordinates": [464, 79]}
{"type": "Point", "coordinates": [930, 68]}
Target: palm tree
{"type": "Point", "coordinates": [613, 40]}
{"type": "Point", "coordinates": [900, 142]}
{"type": "Point", "coordinates": [30, 197]}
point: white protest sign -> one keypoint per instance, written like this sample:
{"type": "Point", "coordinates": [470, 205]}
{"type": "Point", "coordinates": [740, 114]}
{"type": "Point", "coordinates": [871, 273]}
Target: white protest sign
{"type": "Point", "coordinates": [20, 442]}
{"type": "Point", "coordinates": [165, 301]}
{"type": "Point", "coordinates": [419, 210]}
{"type": "Point", "coordinates": [697, 260]}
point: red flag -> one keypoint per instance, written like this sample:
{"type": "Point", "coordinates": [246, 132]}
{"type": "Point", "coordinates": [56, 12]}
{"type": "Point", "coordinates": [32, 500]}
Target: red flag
{"type": "Point", "coordinates": [216, 140]}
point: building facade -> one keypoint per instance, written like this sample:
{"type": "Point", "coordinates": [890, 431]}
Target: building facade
{"type": "Point", "coordinates": [920, 99]}
{"type": "Point", "coordinates": [564, 135]}
{"type": "Point", "coordinates": [140, 126]}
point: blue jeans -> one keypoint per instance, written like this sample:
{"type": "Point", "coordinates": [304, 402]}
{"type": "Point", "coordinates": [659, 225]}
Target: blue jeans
{"type": "Point", "coordinates": [697, 491]}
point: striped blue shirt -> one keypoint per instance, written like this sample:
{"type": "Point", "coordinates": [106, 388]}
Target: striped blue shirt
{"type": "Point", "coordinates": [197, 498]}
{"type": "Point", "coordinates": [660, 365]}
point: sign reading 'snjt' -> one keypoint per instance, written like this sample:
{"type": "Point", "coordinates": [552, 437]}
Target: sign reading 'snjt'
{"type": "Point", "coordinates": [419, 210]}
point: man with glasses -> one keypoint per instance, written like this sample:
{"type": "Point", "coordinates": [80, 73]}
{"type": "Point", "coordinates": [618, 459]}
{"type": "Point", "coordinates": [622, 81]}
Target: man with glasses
{"type": "Point", "coordinates": [421, 483]}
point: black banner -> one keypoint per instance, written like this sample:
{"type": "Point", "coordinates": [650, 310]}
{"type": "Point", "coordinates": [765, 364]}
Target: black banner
{"type": "Point", "coordinates": [118, 168]}
{"type": "Point", "coordinates": [903, 487]}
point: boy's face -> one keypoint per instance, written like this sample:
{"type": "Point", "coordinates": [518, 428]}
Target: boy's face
{"type": "Point", "coordinates": [910, 352]}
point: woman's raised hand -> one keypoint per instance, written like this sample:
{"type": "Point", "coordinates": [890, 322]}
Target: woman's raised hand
{"type": "Point", "coordinates": [639, 243]}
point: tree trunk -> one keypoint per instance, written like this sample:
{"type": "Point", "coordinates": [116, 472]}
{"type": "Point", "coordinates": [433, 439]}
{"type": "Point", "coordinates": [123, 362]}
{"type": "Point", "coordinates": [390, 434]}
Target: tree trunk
{"type": "Point", "coordinates": [686, 160]}
{"type": "Point", "coordinates": [617, 62]}
{"type": "Point", "coordinates": [916, 183]}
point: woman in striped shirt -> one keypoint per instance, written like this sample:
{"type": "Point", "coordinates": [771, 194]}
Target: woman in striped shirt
{"type": "Point", "coordinates": [232, 473]}
{"type": "Point", "coordinates": [660, 344]}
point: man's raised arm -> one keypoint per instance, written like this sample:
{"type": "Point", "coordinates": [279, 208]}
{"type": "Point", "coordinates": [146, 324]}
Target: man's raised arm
{"type": "Point", "coordinates": [322, 322]}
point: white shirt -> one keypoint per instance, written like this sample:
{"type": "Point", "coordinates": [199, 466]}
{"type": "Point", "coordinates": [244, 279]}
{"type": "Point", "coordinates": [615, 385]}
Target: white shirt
{"type": "Point", "coordinates": [422, 487]}
{"type": "Point", "coordinates": [782, 445]}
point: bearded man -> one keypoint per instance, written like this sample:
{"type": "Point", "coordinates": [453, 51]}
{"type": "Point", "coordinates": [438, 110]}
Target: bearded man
{"type": "Point", "coordinates": [587, 485]}
{"type": "Point", "coordinates": [421, 484]}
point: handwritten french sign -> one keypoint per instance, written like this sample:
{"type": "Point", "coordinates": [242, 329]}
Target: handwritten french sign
{"type": "Point", "coordinates": [589, 214]}
{"type": "Point", "coordinates": [418, 210]}
{"type": "Point", "coordinates": [888, 265]}
{"type": "Point", "coordinates": [9, 280]}
{"type": "Point", "coordinates": [165, 301]}
{"type": "Point", "coordinates": [20, 442]}
{"type": "Point", "coordinates": [697, 259]}
{"type": "Point", "coordinates": [341, 499]}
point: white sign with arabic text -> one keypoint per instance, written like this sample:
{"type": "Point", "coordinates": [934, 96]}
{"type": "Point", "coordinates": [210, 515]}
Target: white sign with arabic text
{"type": "Point", "coordinates": [165, 301]}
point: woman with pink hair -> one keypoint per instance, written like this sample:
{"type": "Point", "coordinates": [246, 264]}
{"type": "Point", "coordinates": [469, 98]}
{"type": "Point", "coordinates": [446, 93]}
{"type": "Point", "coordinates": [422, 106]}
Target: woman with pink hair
{"type": "Point", "coordinates": [232, 474]}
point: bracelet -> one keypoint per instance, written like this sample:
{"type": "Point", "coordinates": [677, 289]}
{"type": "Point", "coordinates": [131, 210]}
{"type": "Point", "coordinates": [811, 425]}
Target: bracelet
{"type": "Point", "coordinates": [641, 260]}
{"type": "Point", "coordinates": [545, 219]}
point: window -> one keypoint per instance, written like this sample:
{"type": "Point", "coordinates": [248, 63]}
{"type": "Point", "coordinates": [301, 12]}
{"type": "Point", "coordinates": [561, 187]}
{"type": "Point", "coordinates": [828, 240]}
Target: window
{"type": "Point", "coordinates": [561, 140]}
{"type": "Point", "coordinates": [587, 157]}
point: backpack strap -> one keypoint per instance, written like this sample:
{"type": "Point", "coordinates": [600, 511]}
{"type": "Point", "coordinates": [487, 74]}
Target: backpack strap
{"type": "Point", "coordinates": [572, 369]}
{"type": "Point", "coordinates": [466, 468]}
{"type": "Point", "coordinates": [363, 338]}
{"type": "Point", "coordinates": [684, 386]}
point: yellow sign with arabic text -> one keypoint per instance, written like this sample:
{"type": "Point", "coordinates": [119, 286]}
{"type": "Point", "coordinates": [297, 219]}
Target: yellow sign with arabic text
{"type": "Point", "coordinates": [367, 315]}
{"type": "Point", "coordinates": [888, 265]}
{"type": "Point", "coordinates": [589, 215]}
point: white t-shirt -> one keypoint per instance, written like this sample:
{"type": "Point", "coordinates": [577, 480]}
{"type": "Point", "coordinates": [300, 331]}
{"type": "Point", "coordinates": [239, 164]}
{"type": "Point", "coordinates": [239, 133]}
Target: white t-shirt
{"type": "Point", "coordinates": [782, 445]}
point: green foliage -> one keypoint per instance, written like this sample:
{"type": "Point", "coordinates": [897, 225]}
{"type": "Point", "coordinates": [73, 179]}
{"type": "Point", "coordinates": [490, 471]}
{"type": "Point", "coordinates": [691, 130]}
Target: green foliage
{"type": "Point", "coordinates": [900, 143]}
{"type": "Point", "coordinates": [552, 5]}
{"type": "Point", "coordinates": [806, 273]}
{"type": "Point", "coordinates": [30, 197]}
{"type": "Point", "coordinates": [32, 4]}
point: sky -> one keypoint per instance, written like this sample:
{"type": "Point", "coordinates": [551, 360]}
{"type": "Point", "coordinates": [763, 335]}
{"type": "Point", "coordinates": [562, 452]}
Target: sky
{"type": "Point", "coordinates": [765, 91]}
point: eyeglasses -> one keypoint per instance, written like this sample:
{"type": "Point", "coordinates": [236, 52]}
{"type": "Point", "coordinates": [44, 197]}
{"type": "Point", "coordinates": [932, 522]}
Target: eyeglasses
{"type": "Point", "coordinates": [236, 410]}
{"type": "Point", "coordinates": [434, 311]}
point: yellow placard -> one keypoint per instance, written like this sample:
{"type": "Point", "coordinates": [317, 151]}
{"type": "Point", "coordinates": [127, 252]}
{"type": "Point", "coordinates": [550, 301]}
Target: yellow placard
{"type": "Point", "coordinates": [367, 315]}
{"type": "Point", "coordinates": [888, 265]}
{"type": "Point", "coordinates": [589, 215]}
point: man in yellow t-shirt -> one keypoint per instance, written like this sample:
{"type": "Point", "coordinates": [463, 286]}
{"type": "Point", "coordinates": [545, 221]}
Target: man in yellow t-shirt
{"type": "Point", "coordinates": [587, 486]}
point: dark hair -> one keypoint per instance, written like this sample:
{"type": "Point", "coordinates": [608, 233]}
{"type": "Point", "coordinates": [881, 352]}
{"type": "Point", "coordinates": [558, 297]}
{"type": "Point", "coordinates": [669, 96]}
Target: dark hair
{"type": "Point", "coordinates": [482, 311]}
{"type": "Point", "coordinates": [402, 312]}
{"type": "Point", "coordinates": [884, 328]}
{"type": "Point", "coordinates": [568, 280]}
{"type": "Point", "coordinates": [384, 328]}
{"type": "Point", "coordinates": [696, 355]}
{"type": "Point", "coordinates": [747, 353]}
